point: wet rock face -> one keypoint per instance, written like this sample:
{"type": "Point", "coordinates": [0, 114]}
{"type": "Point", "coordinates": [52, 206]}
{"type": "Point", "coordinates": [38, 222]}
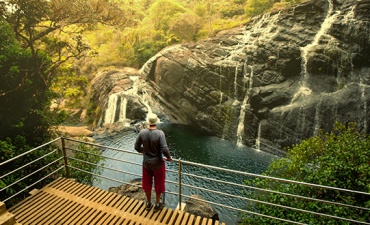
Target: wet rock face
{"type": "Point", "coordinates": [274, 82]}
{"type": "Point", "coordinates": [119, 96]}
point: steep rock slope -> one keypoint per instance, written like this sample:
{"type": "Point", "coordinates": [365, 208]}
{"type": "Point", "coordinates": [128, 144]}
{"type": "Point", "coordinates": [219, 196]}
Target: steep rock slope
{"type": "Point", "coordinates": [276, 81]}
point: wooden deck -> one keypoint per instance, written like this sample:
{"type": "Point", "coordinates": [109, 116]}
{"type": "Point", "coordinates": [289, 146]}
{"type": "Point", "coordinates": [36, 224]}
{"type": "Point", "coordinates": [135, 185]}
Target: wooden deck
{"type": "Point", "coordinates": [66, 202]}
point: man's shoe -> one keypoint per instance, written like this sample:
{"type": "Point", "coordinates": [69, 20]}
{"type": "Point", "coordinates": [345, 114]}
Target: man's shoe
{"type": "Point", "coordinates": [158, 207]}
{"type": "Point", "coordinates": [148, 206]}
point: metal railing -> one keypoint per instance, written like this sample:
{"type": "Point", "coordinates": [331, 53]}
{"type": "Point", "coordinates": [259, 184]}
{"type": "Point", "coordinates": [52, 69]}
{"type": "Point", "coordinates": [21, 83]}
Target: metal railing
{"type": "Point", "coordinates": [218, 187]}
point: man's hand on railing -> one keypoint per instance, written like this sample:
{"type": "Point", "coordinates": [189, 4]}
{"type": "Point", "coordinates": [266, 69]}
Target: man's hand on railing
{"type": "Point", "coordinates": [168, 159]}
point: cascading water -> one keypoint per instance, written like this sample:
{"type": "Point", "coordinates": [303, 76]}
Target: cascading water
{"type": "Point", "coordinates": [240, 129]}
{"type": "Point", "coordinates": [263, 28]}
{"type": "Point", "coordinates": [363, 99]}
{"type": "Point", "coordinates": [110, 113]}
{"type": "Point", "coordinates": [236, 82]}
{"type": "Point", "coordinates": [258, 140]}
{"type": "Point", "coordinates": [317, 119]}
{"type": "Point", "coordinates": [304, 89]}
{"type": "Point", "coordinates": [122, 115]}
{"type": "Point", "coordinates": [117, 102]}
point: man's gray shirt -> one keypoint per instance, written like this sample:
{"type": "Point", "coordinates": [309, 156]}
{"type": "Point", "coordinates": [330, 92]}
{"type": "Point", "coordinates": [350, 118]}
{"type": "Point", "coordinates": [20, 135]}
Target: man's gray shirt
{"type": "Point", "coordinates": [152, 144]}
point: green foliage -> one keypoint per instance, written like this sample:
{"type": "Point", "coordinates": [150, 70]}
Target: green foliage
{"type": "Point", "coordinates": [256, 7]}
{"type": "Point", "coordinates": [88, 157]}
{"type": "Point", "coordinates": [338, 159]}
{"type": "Point", "coordinates": [7, 150]}
{"type": "Point", "coordinates": [145, 49]}
{"type": "Point", "coordinates": [69, 85]}
{"type": "Point", "coordinates": [162, 11]}
{"type": "Point", "coordinates": [30, 173]}
{"type": "Point", "coordinates": [185, 26]}
{"type": "Point", "coordinates": [24, 95]}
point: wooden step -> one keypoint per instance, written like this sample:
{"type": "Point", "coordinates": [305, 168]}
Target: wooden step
{"type": "Point", "coordinates": [2, 208]}
{"type": "Point", "coordinates": [7, 218]}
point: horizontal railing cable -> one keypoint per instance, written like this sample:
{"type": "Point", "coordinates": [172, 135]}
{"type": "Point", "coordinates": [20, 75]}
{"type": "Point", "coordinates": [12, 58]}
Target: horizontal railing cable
{"type": "Point", "coordinates": [181, 184]}
{"type": "Point", "coordinates": [273, 204]}
{"type": "Point", "coordinates": [106, 157]}
{"type": "Point", "coordinates": [246, 211]}
{"type": "Point", "coordinates": [109, 168]}
{"type": "Point", "coordinates": [98, 175]}
{"type": "Point", "coordinates": [25, 153]}
{"type": "Point", "coordinates": [33, 184]}
{"type": "Point", "coordinates": [102, 146]}
{"type": "Point", "coordinates": [254, 188]}
{"type": "Point", "coordinates": [36, 171]}
{"type": "Point", "coordinates": [277, 192]}
{"type": "Point", "coordinates": [19, 168]}
{"type": "Point", "coordinates": [275, 178]}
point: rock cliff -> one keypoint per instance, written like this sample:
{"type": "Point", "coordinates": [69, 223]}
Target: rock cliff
{"type": "Point", "coordinates": [277, 80]}
{"type": "Point", "coordinates": [122, 97]}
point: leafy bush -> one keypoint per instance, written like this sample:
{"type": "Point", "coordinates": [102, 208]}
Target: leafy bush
{"type": "Point", "coordinates": [256, 7]}
{"type": "Point", "coordinates": [13, 179]}
{"type": "Point", "coordinates": [338, 159]}
{"type": "Point", "coordinates": [87, 158]}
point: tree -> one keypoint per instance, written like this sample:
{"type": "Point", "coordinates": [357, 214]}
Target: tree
{"type": "Point", "coordinates": [185, 26]}
{"type": "Point", "coordinates": [56, 27]}
{"type": "Point", "coordinates": [23, 93]}
{"type": "Point", "coordinates": [162, 11]}
{"type": "Point", "coordinates": [338, 159]}
{"type": "Point", "coordinates": [256, 7]}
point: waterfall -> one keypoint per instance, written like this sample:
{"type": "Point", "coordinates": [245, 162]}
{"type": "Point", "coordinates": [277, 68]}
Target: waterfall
{"type": "Point", "coordinates": [262, 29]}
{"type": "Point", "coordinates": [122, 112]}
{"type": "Point", "coordinates": [325, 26]}
{"type": "Point", "coordinates": [240, 129]}
{"type": "Point", "coordinates": [117, 102]}
{"type": "Point", "coordinates": [363, 98]}
{"type": "Point", "coordinates": [110, 113]}
{"type": "Point", "coordinates": [350, 16]}
{"type": "Point", "coordinates": [317, 120]}
{"type": "Point", "coordinates": [116, 108]}
{"type": "Point", "coordinates": [236, 83]}
{"type": "Point", "coordinates": [144, 96]}
{"type": "Point", "coordinates": [258, 140]}
{"type": "Point", "coordinates": [221, 95]}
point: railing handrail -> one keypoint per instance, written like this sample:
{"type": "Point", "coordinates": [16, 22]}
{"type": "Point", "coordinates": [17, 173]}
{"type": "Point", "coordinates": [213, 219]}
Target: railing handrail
{"type": "Point", "coordinates": [233, 171]}
{"type": "Point", "coordinates": [32, 150]}
{"type": "Point", "coordinates": [179, 163]}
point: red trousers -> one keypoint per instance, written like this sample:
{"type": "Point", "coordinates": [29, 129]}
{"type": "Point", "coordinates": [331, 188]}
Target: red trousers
{"type": "Point", "coordinates": [159, 179]}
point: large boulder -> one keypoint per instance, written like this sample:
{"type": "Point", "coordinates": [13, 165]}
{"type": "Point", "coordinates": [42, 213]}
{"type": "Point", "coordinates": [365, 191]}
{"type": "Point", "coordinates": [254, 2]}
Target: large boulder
{"type": "Point", "coordinates": [195, 205]}
{"type": "Point", "coordinates": [133, 190]}
{"type": "Point", "coordinates": [274, 82]}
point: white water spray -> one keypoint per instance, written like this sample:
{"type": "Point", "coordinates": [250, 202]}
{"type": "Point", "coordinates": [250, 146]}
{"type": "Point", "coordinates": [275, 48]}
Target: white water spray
{"type": "Point", "coordinates": [122, 114]}
{"type": "Point", "coordinates": [240, 130]}
{"type": "Point", "coordinates": [363, 98]}
{"type": "Point", "coordinates": [263, 30]}
{"type": "Point", "coordinates": [258, 140]}
{"type": "Point", "coordinates": [110, 113]}
{"type": "Point", "coordinates": [119, 111]}
{"type": "Point", "coordinates": [236, 83]}
{"type": "Point", "coordinates": [325, 26]}
{"type": "Point", "coordinates": [317, 120]}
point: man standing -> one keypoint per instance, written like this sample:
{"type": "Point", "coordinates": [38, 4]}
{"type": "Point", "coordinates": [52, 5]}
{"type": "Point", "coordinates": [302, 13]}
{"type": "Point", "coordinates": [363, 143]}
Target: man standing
{"type": "Point", "coordinates": [152, 144]}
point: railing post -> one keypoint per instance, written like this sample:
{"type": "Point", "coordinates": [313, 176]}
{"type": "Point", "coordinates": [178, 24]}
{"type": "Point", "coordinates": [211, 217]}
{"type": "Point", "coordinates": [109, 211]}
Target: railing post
{"type": "Point", "coordinates": [179, 172]}
{"type": "Point", "coordinates": [65, 157]}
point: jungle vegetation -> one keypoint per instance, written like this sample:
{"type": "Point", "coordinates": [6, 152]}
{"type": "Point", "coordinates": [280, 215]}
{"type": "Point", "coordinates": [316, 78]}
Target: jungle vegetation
{"type": "Point", "coordinates": [337, 159]}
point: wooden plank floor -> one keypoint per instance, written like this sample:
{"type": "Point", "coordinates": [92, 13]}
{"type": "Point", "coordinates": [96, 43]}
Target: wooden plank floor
{"type": "Point", "coordinates": [65, 202]}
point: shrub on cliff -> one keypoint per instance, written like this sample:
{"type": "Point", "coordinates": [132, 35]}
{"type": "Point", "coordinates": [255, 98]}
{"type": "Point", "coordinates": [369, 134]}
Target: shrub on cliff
{"type": "Point", "coordinates": [338, 159]}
